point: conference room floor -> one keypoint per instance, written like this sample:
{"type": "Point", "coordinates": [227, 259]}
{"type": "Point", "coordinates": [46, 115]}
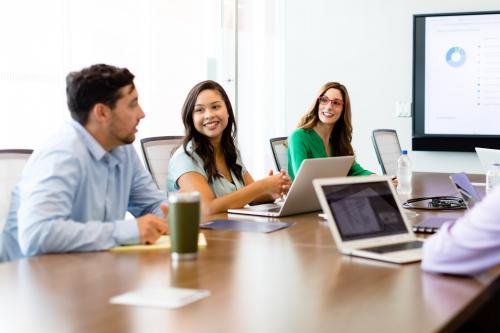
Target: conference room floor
{"type": "Point", "coordinates": [291, 280]}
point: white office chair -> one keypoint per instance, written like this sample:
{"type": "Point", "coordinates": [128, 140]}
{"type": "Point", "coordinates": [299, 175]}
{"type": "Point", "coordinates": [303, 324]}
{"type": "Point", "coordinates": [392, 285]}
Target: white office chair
{"type": "Point", "coordinates": [12, 163]}
{"type": "Point", "coordinates": [279, 147]}
{"type": "Point", "coordinates": [157, 152]}
{"type": "Point", "coordinates": [388, 150]}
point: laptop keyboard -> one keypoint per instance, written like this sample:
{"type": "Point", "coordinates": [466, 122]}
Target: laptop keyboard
{"type": "Point", "coordinates": [395, 247]}
{"type": "Point", "coordinates": [266, 208]}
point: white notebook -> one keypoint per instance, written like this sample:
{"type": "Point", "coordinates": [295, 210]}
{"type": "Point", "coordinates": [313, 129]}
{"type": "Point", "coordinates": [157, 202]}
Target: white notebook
{"type": "Point", "coordinates": [170, 298]}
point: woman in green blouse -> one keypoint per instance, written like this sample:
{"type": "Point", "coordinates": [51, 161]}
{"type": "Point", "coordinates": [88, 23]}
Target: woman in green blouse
{"type": "Point", "coordinates": [324, 131]}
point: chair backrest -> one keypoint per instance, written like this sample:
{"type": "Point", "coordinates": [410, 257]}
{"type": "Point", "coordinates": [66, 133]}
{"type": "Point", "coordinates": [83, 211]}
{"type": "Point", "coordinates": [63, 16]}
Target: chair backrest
{"type": "Point", "coordinates": [279, 147]}
{"type": "Point", "coordinates": [157, 152]}
{"type": "Point", "coordinates": [12, 163]}
{"type": "Point", "coordinates": [388, 150]}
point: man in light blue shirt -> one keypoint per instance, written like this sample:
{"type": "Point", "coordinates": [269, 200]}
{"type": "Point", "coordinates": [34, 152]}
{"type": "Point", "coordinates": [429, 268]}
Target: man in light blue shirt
{"type": "Point", "coordinates": [75, 190]}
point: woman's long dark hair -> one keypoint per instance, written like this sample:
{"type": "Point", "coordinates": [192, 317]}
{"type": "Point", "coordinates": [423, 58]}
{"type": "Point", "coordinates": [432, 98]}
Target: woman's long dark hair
{"type": "Point", "coordinates": [201, 145]}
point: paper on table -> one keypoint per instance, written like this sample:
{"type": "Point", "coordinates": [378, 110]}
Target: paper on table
{"type": "Point", "coordinates": [163, 243]}
{"type": "Point", "coordinates": [243, 225]}
{"type": "Point", "coordinates": [170, 298]}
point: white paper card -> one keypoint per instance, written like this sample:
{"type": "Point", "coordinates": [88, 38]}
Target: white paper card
{"type": "Point", "coordinates": [170, 298]}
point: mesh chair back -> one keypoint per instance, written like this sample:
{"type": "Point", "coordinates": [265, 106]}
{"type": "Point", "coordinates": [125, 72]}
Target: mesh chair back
{"type": "Point", "coordinates": [388, 150]}
{"type": "Point", "coordinates": [279, 147]}
{"type": "Point", "coordinates": [157, 152]}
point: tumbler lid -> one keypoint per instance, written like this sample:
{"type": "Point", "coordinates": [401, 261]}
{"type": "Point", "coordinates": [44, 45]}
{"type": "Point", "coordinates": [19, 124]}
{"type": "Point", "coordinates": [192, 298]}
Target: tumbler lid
{"type": "Point", "coordinates": [183, 197]}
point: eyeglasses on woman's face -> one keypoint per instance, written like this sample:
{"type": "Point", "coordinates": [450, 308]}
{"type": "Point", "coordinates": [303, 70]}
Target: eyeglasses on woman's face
{"type": "Point", "coordinates": [336, 103]}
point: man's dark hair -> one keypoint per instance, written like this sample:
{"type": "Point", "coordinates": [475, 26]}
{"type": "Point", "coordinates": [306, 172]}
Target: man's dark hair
{"type": "Point", "coordinates": [95, 84]}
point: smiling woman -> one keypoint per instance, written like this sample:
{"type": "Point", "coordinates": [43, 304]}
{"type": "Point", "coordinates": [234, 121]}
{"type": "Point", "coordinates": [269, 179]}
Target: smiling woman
{"type": "Point", "coordinates": [324, 130]}
{"type": "Point", "coordinates": [210, 163]}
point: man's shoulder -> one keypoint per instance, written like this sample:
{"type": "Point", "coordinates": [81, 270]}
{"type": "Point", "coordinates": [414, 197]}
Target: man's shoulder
{"type": "Point", "coordinates": [64, 145]}
{"type": "Point", "coordinates": [65, 140]}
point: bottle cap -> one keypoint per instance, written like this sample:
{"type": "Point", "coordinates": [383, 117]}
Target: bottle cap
{"type": "Point", "coordinates": [404, 152]}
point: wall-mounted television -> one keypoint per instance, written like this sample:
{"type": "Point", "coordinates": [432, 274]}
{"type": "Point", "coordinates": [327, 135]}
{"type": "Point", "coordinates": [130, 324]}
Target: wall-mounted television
{"type": "Point", "coordinates": [456, 81]}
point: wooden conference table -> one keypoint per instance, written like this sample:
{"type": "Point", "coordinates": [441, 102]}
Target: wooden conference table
{"type": "Point", "coordinates": [292, 280]}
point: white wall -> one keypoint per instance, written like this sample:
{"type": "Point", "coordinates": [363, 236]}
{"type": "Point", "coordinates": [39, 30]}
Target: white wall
{"type": "Point", "coordinates": [166, 44]}
{"type": "Point", "coordinates": [367, 45]}
{"type": "Point", "coordinates": [260, 81]}
{"type": "Point", "coordinates": [169, 45]}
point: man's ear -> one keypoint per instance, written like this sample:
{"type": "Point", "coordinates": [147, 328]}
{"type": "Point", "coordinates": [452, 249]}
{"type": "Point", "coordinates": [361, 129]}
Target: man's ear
{"type": "Point", "coordinates": [100, 112]}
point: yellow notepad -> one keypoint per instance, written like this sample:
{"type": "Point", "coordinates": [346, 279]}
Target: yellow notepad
{"type": "Point", "coordinates": [163, 243]}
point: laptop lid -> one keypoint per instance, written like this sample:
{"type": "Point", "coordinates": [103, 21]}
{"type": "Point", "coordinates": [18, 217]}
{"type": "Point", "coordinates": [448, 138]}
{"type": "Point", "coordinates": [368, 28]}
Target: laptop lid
{"type": "Point", "coordinates": [465, 188]}
{"type": "Point", "coordinates": [487, 157]}
{"type": "Point", "coordinates": [363, 211]}
{"type": "Point", "coordinates": [301, 197]}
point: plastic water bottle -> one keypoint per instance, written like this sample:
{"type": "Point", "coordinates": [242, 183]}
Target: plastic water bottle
{"type": "Point", "coordinates": [404, 173]}
{"type": "Point", "coordinates": [492, 177]}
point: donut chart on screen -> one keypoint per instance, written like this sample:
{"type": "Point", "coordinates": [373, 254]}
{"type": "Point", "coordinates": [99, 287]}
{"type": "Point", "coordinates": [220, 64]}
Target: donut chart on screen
{"type": "Point", "coordinates": [455, 57]}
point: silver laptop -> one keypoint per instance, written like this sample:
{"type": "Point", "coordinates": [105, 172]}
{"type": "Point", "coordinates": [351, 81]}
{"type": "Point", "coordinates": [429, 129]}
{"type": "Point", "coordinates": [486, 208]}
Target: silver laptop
{"type": "Point", "coordinates": [300, 197]}
{"type": "Point", "coordinates": [366, 219]}
{"type": "Point", "coordinates": [465, 188]}
{"type": "Point", "coordinates": [487, 157]}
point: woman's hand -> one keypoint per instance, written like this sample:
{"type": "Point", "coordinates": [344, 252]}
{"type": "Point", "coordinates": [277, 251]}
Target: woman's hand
{"type": "Point", "coordinates": [277, 185]}
{"type": "Point", "coordinates": [394, 181]}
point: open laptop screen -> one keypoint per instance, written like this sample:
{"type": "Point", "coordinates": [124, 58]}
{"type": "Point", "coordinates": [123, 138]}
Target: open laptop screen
{"type": "Point", "coordinates": [465, 189]}
{"type": "Point", "coordinates": [364, 210]}
{"type": "Point", "coordinates": [488, 157]}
